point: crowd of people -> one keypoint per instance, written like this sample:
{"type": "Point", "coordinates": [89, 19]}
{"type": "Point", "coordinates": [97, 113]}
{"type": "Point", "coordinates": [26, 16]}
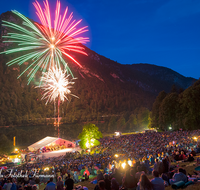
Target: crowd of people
{"type": "Point", "coordinates": [53, 148]}
{"type": "Point", "coordinates": [138, 156]}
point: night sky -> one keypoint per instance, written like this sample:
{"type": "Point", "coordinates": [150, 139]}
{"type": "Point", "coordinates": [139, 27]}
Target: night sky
{"type": "Point", "coordinates": [160, 32]}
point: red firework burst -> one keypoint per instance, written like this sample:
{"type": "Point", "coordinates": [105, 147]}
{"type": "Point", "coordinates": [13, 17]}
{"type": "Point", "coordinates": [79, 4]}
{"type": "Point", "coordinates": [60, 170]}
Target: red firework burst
{"type": "Point", "coordinates": [63, 35]}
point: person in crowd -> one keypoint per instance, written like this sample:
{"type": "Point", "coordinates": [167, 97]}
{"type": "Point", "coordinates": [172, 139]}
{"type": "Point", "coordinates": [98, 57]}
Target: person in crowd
{"type": "Point", "coordinates": [14, 186]}
{"type": "Point", "coordinates": [7, 185]}
{"type": "Point", "coordinates": [86, 172]}
{"type": "Point", "coordinates": [32, 181]}
{"type": "Point", "coordinates": [139, 173]}
{"type": "Point", "coordinates": [26, 180]}
{"type": "Point", "coordinates": [156, 165]}
{"type": "Point", "coordinates": [144, 183]}
{"type": "Point", "coordinates": [165, 166]}
{"type": "Point", "coordinates": [69, 183]}
{"type": "Point", "coordinates": [160, 167]}
{"type": "Point", "coordinates": [117, 176]}
{"type": "Point", "coordinates": [180, 176]}
{"type": "Point", "coordinates": [76, 177]}
{"type": "Point", "coordinates": [99, 175]}
{"type": "Point", "coordinates": [1, 184]}
{"type": "Point", "coordinates": [58, 173]}
{"type": "Point", "coordinates": [147, 165]}
{"type": "Point", "coordinates": [168, 161]}
{"type": "Point", "coordinates": [37, 180]}
{"type": "Point", "coordinates": [107, 182]}
{"type": "Point", "coordinates": [101, 185]}
{"type": "Point", "coordinates": [182, 156]}
{"type": "Point", "coordinates": [60, 184]}
{"type": "Point", "coordinates": [190, 158]}
{"type": "Point", "coordinates": [152, 160]}
{"type": "Point", "coordinates": [34, 187]}
{"type": "Point", "coordinates": [157, 182]}
{"type": "Point", "coordinates": [51, 185]}
{"type": "Point", "coordinates": [114, 184]}
{"type": "Point", "coordinates": [176, 156]}
{"type": "Point", "coordinates": [86, 177]}
{"type": "Point", "coordinates": [29, 187]}
{"type": "Point", "coordinates": [193, 152]}
{"type": "Point", "coordinates": [129, 181]}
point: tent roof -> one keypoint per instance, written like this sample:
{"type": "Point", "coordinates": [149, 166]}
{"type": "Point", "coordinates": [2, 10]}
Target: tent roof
{"type": "Point", "coordinates": [43, 142]}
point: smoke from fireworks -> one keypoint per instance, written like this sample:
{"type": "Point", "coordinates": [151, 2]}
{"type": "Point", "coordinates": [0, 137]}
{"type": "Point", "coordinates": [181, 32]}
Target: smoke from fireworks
{"type": "Point", "coordinates": [43, 46]}
{"type": "Point", "coordinates": [56, 84]}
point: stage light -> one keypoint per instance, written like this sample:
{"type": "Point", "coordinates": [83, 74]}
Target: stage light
{"type": "Point", "coordinates": [123, 165]}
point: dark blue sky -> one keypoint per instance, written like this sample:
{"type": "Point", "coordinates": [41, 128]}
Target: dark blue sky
{"type": "Point", "coordinates": [160, 32]}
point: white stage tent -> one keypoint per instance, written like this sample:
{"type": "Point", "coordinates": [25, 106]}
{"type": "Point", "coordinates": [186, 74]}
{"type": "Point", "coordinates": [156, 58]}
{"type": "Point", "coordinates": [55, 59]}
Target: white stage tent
{"type": "Point", "coordinates": [48, 140]}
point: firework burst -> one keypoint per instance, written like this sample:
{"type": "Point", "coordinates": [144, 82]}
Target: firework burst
{"type": "Point", "coordinates": [43, 46]}
{"type": "Point", "coordinates": [56, 84]}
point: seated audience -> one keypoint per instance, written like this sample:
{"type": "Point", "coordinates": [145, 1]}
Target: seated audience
{"type": "Point", "coordinates": [180, 176]}
{"type": "Point", "coordinates": [144, 183]}
{"type": "Point", "coordinates": [157, 182]}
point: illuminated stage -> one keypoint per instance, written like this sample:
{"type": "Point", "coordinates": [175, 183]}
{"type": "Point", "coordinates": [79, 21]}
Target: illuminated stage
{"type": "Point", "coordinates": [53, 147]}
{"type": "Point", "coordinates": [59, 152]}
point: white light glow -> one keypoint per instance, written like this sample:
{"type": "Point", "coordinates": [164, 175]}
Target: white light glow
{"type": "Point", "coordinates": [16, 160]}
{"type": "Point", "coordinates": [46, 169]}
{"type": "Point", "coordinates": [117, 134]}
{"type": "Point", "coordinates": [63, 150]}
{"type": "Point", "coordinates": [52, 46]}
{"type": "Point", "coordinates": [195, 138]}
{"type": "Point", "coordinates": [123, 165]}
{"type": "Point", "coordinates": [87, 144]}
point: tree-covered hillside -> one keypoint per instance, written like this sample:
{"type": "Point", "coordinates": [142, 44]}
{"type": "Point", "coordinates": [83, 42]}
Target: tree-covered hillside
{"type": "Point", "coordinates": [177, 109]}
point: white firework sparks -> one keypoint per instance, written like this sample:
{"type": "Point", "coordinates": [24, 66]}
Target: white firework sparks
{"type": "Point", "coordinates": [56, 84]}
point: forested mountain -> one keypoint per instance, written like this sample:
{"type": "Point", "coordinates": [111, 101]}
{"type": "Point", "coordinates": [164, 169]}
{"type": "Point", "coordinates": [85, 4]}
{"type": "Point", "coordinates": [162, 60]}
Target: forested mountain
{"type": "Point", "coordinates": [115, 96]}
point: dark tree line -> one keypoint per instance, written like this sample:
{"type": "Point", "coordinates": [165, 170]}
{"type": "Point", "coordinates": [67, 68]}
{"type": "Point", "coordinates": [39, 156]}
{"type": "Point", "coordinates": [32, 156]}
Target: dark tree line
{"type": "Point", "coordinates": [177, 109]}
